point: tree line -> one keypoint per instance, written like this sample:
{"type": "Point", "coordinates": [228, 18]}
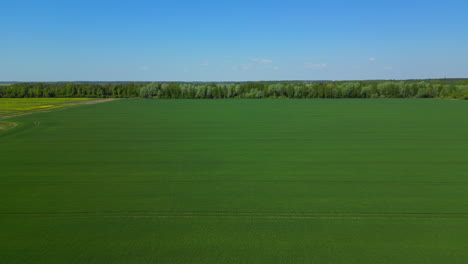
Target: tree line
{"type": "Point", "coordinates": [387, 89]}
{"type": "Point", "coordinates": [453, 89]}
{"type": "Point", "coordinates": [71, 89]}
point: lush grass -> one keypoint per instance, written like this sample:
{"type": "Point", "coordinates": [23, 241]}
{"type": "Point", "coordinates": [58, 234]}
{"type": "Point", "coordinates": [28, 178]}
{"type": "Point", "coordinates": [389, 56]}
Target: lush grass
{"type": "Point", "coordinates": [231, 240]}
{"type": "Point", "coordinates": [18, 106]}
{"type": "Point", "coordinates": [238, 181]}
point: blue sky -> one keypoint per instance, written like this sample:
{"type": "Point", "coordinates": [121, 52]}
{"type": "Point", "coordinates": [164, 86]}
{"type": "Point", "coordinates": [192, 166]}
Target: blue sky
{"type": "Point", "coordinates": [232, 40]}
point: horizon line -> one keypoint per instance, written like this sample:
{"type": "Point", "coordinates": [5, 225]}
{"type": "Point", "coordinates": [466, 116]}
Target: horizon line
{"type": "Point", "coordinates": [231, 81]}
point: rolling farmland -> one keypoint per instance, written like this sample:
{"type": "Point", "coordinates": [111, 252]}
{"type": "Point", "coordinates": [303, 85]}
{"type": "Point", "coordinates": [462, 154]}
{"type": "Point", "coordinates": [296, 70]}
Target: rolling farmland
{"type": "Point", "coordinates": [237, 181]}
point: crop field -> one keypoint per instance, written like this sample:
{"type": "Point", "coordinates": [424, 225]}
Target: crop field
{"type": "Point", "coordinates": [18, 106]}
{"type": "Point", "coordinates": [237, 181]}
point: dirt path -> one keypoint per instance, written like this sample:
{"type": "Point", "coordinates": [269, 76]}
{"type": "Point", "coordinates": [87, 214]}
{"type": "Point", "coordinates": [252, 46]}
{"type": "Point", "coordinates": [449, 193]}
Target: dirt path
{"type": "Point", "coordinates": [97, 101]}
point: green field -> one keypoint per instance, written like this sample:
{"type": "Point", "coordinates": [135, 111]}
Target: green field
{"type": "Point", "coordinates": [19, 106]}
{"type": "Point", "coordinates": [237, 181]}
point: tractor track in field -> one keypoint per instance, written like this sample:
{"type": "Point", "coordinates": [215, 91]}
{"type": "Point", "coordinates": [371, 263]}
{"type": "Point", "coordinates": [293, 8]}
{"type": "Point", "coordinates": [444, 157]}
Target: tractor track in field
{"type": "Point", "coordinates": [255, 215]}
{"type": "Point", "coordinates": [9, 125]}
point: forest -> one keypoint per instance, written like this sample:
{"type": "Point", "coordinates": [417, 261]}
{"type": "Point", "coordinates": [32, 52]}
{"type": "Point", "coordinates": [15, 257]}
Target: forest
{"type": "Point", "coordinates": [450, 89]}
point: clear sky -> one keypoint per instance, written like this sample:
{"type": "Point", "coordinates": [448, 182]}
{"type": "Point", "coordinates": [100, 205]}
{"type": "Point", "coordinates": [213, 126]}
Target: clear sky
{"type": "Point", "coordinates": [242, 40]}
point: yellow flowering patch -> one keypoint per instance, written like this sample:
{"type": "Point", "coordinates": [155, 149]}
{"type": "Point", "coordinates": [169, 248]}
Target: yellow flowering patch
{"type": "Point", "coordinates": [18, 106]}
